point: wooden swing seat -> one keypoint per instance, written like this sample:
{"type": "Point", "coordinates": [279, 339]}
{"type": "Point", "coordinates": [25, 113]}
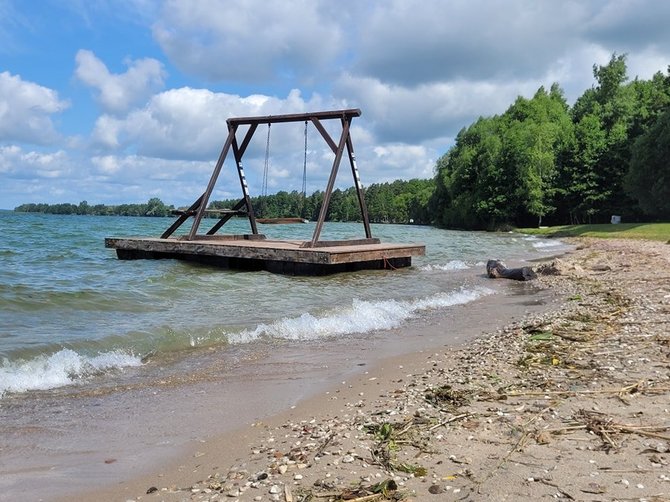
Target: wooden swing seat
{"type": "Point", "coordinates": [193, 212]}
{"type": "Point", "coordinates": [281, 221]}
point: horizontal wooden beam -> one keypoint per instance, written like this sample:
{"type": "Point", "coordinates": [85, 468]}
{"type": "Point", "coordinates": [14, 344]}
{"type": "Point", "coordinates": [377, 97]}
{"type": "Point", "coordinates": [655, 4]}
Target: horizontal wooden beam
{"type": "Point", "coordinates": [295, 117]}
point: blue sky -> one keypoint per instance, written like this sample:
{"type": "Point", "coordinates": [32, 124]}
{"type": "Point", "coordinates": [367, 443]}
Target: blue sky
{"type": "Point", "coordinates": [120, 101]}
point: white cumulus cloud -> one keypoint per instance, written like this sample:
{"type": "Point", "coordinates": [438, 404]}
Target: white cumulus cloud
{"type": "Point", "coordinates": [251, 40]}
{"type": "Point", "coordinates": [117, 93]}
{"type": "Point", "coordinates": [188, 123]}
{"type": "Point", "coordinates": [17, 163]}
{"type": "Point", "coordinates": [26, 109]}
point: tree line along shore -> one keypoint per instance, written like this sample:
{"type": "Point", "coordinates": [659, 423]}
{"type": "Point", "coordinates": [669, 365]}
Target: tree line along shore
{"type": "Point", "coordinates": [397, 202]}
{"type": "Point", "coordinates": [541, 162]}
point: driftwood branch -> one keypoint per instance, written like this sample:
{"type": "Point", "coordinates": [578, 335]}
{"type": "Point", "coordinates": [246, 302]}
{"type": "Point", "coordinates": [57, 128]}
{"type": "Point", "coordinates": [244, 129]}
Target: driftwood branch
{"type": "Point", "coordinates": [628, 389]}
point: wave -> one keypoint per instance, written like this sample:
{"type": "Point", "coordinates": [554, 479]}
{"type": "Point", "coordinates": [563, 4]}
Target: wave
{"type": "Point", "coordinates": [62, 368]}
{"type": "Point", "coordinates": [361, 317]}
{"type": "Point", "coordinates": [547, 244]}
{"type": "Point", "coordinates": [43, 297]}
{"type": "Point", "coordinates": [538, 243]}
{"type": "Point", "coordinates": [451, 265]}
{"type": "Point", "coordinates": [67, 366]}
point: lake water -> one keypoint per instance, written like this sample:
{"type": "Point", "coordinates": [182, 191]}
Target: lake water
{"type": "Point", "coordinates": [136, 360]}
{"type": "Point", "coordinates": [70, 312]}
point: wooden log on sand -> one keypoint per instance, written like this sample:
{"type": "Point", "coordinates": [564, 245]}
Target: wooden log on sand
{"type": "Point", "coordinates": [496, 269]}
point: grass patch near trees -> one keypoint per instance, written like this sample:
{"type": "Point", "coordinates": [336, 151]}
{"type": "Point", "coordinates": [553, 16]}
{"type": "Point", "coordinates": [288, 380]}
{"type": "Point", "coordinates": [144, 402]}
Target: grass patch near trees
{"type": "Point", "coordinates": [651, 231]}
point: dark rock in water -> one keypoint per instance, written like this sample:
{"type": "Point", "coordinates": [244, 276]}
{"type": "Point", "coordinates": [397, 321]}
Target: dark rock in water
{"type": "Point", "coordinates": [496, 269]}
{"type": "Point", "coordinates": [152, 490]}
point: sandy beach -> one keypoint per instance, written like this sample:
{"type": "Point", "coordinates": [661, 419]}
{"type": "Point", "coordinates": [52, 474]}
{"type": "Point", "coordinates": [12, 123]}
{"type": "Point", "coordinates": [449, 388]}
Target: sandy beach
{"type": "Point", "coordinates": [569, 404]}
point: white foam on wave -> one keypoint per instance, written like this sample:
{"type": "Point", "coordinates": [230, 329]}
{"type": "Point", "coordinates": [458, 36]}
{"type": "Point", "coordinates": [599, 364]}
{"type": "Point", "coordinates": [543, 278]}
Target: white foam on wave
{"type": "Point", "coordinates": [67, 366]}
{"type": "Point", "coordinates": [59, 369]}
{"type": "Point", "coordinates": [361, 317]}
{"type": "Point", "coordinates": [451, 265]}
{"type": "Point", "coordinates": [540, 243]}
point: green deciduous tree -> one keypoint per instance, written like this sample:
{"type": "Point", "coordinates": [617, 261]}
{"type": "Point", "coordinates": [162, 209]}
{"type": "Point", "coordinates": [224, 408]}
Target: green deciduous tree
{"type": "Point", "coordinates": [538, 135]}
{"type": "Point", "coordinates": [648, 180]}
{"type": "Point", "coordinates": [603, 116]}
{"type": "Point", "coordinates": [469, 177]}
{"type": "Point", "coordinates": [502, 170]}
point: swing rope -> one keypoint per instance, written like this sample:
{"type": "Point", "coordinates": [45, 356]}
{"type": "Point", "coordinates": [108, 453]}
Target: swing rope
{"type": "Point", "coordinates": [264, 186]}
{"type": "Point", "coordinates": [304, 167]}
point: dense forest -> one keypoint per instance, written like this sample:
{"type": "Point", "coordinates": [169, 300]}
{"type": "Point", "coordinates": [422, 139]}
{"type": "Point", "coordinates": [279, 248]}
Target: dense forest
{"type": "Point", "coordinates": [543, 162]}
{"type": "Point", "coordinates": [540, 162]}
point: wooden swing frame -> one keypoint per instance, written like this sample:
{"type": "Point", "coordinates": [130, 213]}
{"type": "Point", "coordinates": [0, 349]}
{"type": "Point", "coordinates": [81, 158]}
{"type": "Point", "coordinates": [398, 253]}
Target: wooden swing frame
{"type": "Point", "coordinates": [244, 207]}
{"type": "Point", "coordinates": [255, 252]}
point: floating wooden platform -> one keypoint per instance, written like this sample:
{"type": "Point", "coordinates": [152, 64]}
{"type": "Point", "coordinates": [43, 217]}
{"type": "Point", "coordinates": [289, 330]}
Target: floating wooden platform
{"type": "Point", "coordinates": [254, 252]}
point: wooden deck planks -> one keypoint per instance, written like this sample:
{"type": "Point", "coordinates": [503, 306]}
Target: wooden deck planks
{"type": "Point", "coordinates": [288, 253]}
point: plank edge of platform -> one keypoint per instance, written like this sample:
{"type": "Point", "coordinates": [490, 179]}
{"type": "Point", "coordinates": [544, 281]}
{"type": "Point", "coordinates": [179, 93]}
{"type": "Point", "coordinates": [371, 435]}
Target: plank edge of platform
{"type": "Point", "coordinates": [240, 254]}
